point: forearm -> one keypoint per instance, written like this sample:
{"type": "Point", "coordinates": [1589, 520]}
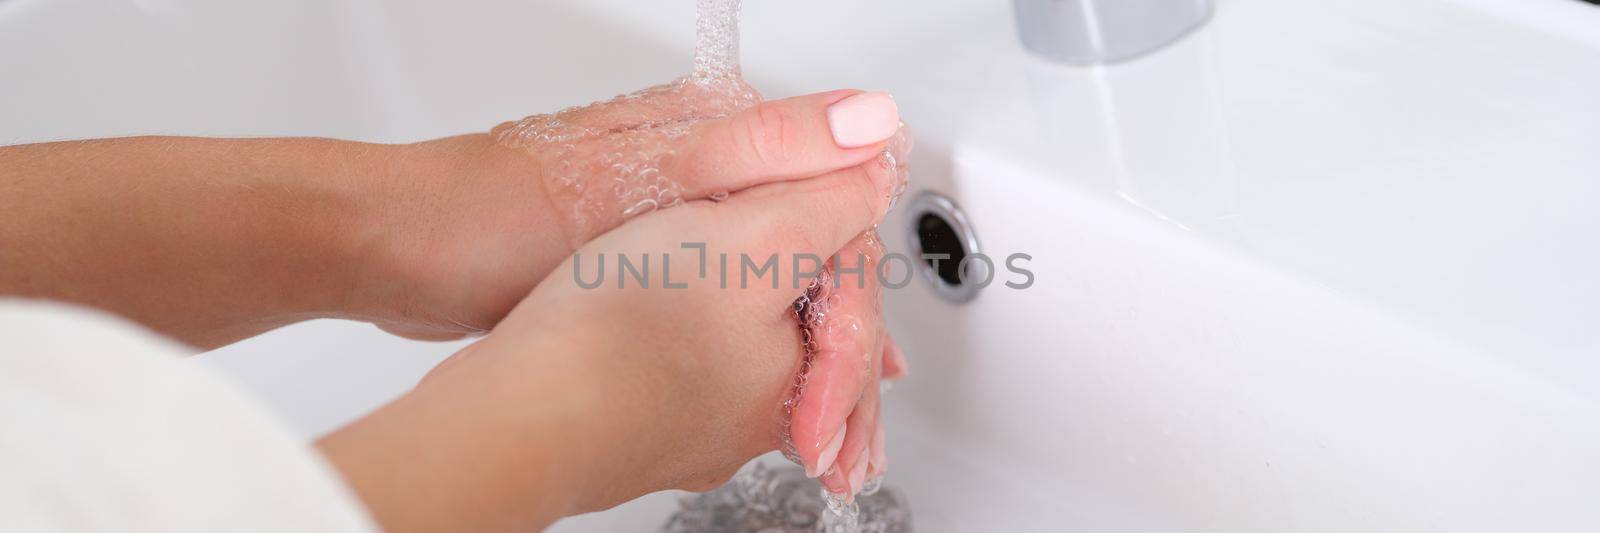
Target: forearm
{"type": "Point", "coordinates": [207, 240]}
{"type": "Point", "coordinates": [493, 441]}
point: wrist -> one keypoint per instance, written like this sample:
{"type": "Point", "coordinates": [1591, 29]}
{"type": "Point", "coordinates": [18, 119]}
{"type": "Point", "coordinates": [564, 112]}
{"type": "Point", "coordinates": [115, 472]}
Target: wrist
{"type": "Point", "coordinates": [386, 243]}
{"type": "Point", "coordinates": [453, 233]}
{"type": "Point", "coordinates": [496, 441]}
{"type": "Point", "coordinates": [343, 188]}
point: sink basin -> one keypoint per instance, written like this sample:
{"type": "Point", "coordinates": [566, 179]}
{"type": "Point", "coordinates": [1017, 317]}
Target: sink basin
{"type": "Point", "coordinates": [1319, 266]}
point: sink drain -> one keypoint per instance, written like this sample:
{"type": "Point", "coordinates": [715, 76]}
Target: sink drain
{"type": "Point", "coordinates": [947, 248]}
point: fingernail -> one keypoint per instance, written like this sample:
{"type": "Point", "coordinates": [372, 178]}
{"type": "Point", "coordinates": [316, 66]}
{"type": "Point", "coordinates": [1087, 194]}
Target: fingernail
{"type": "Point", "coordinates": [900, 361]}
{"type": "Point", "coordinates": [880, 453]}
{"type": "Point", "coordinates": [829, 454]}
{"type": "Point", "coordinates": [864, 119]}
{"type": "Point", "coordinates": [858, 475]}
{"type": "Point", "coordinates": [835, 482]}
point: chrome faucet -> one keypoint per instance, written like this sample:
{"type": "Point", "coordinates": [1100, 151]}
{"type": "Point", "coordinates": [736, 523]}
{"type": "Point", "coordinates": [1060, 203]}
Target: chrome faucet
{"type": "Point", "coordinates": [1105, 31]}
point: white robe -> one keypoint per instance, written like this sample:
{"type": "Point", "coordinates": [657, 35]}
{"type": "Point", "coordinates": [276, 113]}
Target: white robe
{"type": "Point", "coordinates": [105, 427]}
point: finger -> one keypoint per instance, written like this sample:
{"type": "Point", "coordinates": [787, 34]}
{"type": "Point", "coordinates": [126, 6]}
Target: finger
{"type": "Point", "coordinates": [681, 100]}
{"type": "Point", "coordinates": [787, 139]}
{"type": "Point", "coordinates": [855, 454]}
{"type": "Point", "coordinates": [896, 159]}
{"type": "Point", "coordinates": [812, 218]}
{"type": "Point", "coordinates": [425, 333]}
{"type": "Point", "coordinates": [894, 360]}
{"type": "Point", "coordinates": [879, 450]}
{"type": "Point", "coordinates": [605, 162]}
{"type": "Point", "coordinates": [602, 182]}
{"type": "Point", "coordinates": [831, 424]}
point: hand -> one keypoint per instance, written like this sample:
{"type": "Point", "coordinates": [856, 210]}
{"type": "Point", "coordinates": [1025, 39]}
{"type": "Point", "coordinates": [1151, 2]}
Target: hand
{"type": "Point", "coordinates": [216, 240]}
{"type": "Point", "coordinates": [636, 140]}
{"type": "Point", "coordinates": [470, 224]}
{"type": "Point", "coordinates": [585, 398]}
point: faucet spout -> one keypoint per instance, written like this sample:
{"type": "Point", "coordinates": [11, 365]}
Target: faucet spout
{"type": "Point", "coordinates": [1088, 32]}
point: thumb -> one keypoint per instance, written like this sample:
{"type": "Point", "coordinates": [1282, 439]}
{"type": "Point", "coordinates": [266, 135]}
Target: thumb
{"type": "Point", "coordinates": [782, 140]}
{"type": "Point", "coordinates": [816, 217]}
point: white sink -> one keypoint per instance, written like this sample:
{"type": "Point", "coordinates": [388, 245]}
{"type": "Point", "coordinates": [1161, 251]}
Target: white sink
{"type": "Point", "coordinates": [1321, 266]}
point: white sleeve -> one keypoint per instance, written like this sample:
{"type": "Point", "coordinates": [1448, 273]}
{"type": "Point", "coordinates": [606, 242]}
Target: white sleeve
{"type": "Point", "coordinates": [105, 427]}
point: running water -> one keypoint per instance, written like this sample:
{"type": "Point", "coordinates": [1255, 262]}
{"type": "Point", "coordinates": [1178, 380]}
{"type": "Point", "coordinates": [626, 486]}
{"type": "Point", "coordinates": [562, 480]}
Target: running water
{"type": "Point", "coordinates": [763, 499]}
{"type": "Point", "coordinates": [716, 46]}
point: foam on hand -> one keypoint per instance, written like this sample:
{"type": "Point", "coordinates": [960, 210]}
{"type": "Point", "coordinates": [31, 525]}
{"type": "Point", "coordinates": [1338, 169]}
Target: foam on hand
{"type": "Point", "coordinates": [612, 161]}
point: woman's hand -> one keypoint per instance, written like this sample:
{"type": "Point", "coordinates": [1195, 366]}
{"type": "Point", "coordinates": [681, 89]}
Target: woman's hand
{"type": "Point", "coordinates": [471, 223]}
{"type": "Point", "coordinates": [583, 398]}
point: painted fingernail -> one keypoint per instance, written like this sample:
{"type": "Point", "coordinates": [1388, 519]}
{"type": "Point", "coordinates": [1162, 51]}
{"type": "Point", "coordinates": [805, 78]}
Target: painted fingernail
{"type": "Point", "coordinates": [858, 474]}
{"type": "Point", "coordinates": [902, 366]}
{"type": "Point", "coordinates": [835, 481]}
{"type": "Point", "coordinates": [872, 486]}
{"type": "Point", "coordinates": [829, 454]}
{"type": "Point", "coordinates": [864, 119]}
